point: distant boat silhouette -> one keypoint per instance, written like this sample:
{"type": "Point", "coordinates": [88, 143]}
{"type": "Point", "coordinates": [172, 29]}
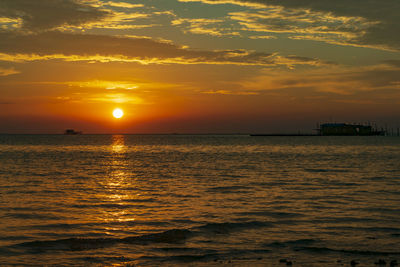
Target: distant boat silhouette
{"type": "Point", "coordinates": [72, 132]}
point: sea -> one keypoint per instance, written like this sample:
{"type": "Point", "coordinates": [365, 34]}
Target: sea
{"type": "Point", "coordinates": [199, 200]}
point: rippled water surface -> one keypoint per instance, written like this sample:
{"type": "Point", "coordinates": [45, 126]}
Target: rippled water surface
{"type": "Point", "coordinates": [199, 200]}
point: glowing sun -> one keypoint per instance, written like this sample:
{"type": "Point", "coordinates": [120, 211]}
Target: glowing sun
{"type": "Point", "coordinates": [118, 113]}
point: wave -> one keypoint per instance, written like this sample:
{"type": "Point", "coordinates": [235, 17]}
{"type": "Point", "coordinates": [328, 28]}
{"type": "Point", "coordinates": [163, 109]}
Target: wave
{"type": "Point", "coordinates": [347, 251]}
{"type": "Point", "coordinates": [199, 255]}
{"type": "Point", "coordinates": [102, 260]}
{"type": "Point", "coordinates": [170, 236]}
{"type": "Point", "coordinates": [173, 236]}
{"type": "Point", "coordinates": [108, 206]}
{"type": "Point", "coordinates": [142, 200]}
{"type": "Point", "coordinates": [93, 225]}
{"type": "Point", "coordinates": [228, 189]}
{"type": "Point", "coordinates": [181, 258]}
{"type": "Point", "coordinates": [228, 227]}
{"type": "Point", "coordinates": [37, 216]}
{"type": "Point", "coordinates": [309, 245]}
{"type": "Point", "coordinates": [343, 219]}
{"type": "Point", "coordinates": [326, 170]}
{"type": "Point", "coordinates": [272, 214]}
{"type": "Point", "coordinates": [367, 229]}
{"type": "Point", "coordinates": [270, 184]}
{"type": "Point", "coordinates": [306, 241]}
{"type": "Point", "coordinates": [77, 244]}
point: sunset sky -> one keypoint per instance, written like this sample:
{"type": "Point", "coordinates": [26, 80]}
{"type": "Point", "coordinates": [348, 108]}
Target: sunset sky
{"type": "Point", "coordinates": [197, 66]}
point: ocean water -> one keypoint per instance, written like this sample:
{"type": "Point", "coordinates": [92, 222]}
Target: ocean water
{"type": "Point", "coordinates": [182, 200]}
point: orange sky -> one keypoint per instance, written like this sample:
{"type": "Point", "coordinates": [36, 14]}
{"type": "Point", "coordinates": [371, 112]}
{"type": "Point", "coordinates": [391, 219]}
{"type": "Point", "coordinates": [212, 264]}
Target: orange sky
{"type": "Point", "coordinates": [197, 66]}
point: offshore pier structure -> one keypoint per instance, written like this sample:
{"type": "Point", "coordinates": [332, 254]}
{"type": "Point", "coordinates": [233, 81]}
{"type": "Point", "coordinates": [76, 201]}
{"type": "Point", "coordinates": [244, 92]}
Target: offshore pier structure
{"type": "Point", "coordinates": [344, 129]}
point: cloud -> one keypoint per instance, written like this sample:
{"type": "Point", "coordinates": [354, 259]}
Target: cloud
{"type": "Point", "coordinates": [230, 92]}
{"type": "Point", "coordinates": [115, 98]}
{"type": "Point", "coordinates": [6, 72]}
{"type": "Point", "coordinates": [70, 15]}
{"type": "Point", "coordinates": [255, 37]}
{"type": "Point", "coordinates": [122, 16]}
{"type": "Point", "coordinates": [212, 27]}
{"type": "Point", "coordinates": [98, 98]}
{"type": "Point", "coordinates": [102, 48]}
{"type": "Point", "coordinates": [302, 24]}
{"type": "Point", "coordinates": [10, 23]}
{"type": "Point", "coordinates": [41, 15]}
{"type": "Point", "coordinates": [378, 82]}
{"type": "Point", "coordinates": [123, 4]}
{"type": "Point", "coordinates": [115, 20]}
{"type": "Point", "coordinates": [393, 63]}
{"type": "Point", "coordinates": [109, 85]}
{"type": "Point", "coordinates": [232, 2]}
{"type": "Point", "coordinates": [371, 23]}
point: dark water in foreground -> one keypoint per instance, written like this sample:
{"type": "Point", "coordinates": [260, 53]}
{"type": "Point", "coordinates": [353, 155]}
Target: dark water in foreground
{"type": "Point", "coordinates": [198, 200]}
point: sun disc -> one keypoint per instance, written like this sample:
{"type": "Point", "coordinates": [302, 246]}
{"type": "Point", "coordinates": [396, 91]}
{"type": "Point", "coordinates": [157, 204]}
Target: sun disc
{"type": "Point", "coordinates": [118, 113]}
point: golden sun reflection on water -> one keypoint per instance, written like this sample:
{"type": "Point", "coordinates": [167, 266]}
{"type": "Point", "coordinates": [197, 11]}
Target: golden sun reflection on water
{"type": "Point", "coordinates": [118, 144]}
{"type": "Point", "coordinates": [116, 182]}
{"type": "Point", "coordinates": [118, 164]}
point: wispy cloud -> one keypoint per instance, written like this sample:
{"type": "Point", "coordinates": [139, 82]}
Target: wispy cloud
{"type": "Point", "coordinates": [101, 48]}
{"type": "Point", "coordinates": [262, 37]}
{"type": "Point", "coordinates": [108, 85]}
{"type": "Point", "coordinates": [369, 23]}
{"type": "Point", "coordinates": [379, 82]}
{"type": "Point", "coordinates": [303, 24]}
{"type": "Point", "coordinates": [230, 92]}
{"type": "Point", "coordinates": [231, 2]}
{"type": "Point", "coordinates": [118, 98]}
{"type": "Point", "coordinates": [8, 71]}
{"type": "Point", "coordinates": [71, 15]}
{"type": "Point", "coordinates": [122, 4]}
{"type": "Point", "coordinates": [115, 98]}
{"type": "Point", "coordinates": [49, 14]}
{"type": "Point", "coordinates": [214, 27]}
{"type": "Point", "coordinates": [7, 23]}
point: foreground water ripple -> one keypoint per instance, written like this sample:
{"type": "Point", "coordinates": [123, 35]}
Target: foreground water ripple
{"type": "Point", "coordinates": [200, 200]}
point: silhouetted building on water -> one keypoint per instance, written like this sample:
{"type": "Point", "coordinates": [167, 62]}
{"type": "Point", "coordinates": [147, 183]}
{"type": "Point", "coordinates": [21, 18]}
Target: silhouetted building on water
{"type": "Point", "coordinates": [348, 129]}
